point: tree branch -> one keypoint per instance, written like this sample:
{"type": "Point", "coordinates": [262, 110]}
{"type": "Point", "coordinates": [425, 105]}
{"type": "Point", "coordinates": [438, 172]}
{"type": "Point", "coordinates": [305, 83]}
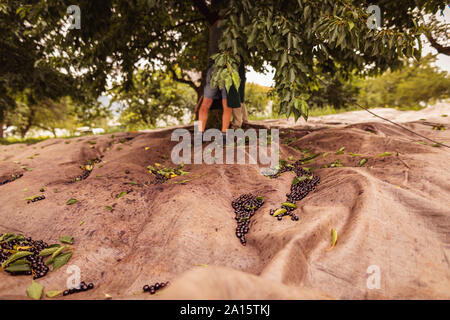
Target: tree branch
{"type": "Point", "coordinates": [182, 80]}
{"type": "Point", "coordinates": [204, 10]}
{"type": "Point", "coordinates": [440, 48]}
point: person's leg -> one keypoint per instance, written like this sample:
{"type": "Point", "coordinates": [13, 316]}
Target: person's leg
{"type": "Point", "coordinates": [244, 113]}
{"type": "Point", "coordinates": [237, 118]}
{"type": "Point", "coordinates": [203, 112]}
{"type": "Point", "coordinates": [226, 116]}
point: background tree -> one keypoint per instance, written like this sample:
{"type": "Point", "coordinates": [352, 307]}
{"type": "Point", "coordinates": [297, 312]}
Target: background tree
{"type": "Point", "coordinates": [412, 87]}
{"type": "Point", "coordinates": [155, 97]}
{"type": "Point", "coordinates": [256, 98]}
{"type": "Point", "coordinates": [27, 68]}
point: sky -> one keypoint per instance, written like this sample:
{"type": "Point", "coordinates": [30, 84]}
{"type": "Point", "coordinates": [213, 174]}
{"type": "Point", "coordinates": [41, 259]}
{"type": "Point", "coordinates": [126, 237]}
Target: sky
{"type": "Point", "coordinates": [443, 61]}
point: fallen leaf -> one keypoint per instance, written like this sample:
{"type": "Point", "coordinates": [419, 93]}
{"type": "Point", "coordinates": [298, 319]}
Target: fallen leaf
{"type": "Point", "coordinates": [108, 208]}
{"type": "Point", "coordinates": [341, 150]}
{"type": "Point", "coordinates": [34, 291]}
{"type": "Point", "coordinates": [289, 204]}
{"type": "Point", "coordinates": [18, 268]}
{"type": "Point", "coordinates": [71, 201]}
{"type": "Point", "coordinates": [120, 195]}
{"type": "Point", "coordinates": [279, 211]}
{"type": "Point", "coordinates": [53, 293]}
{"type": "Point", "coordinates": [385, 154]}
{"type": "Point", "coordinates": [61, 260]}
{"type": "Point", "coordinates": [362, 162]}
{"type": "Point", "coordinates": [334, 238]}
{"type": "Point", "coordinates": [48, 251]}
{"type": "Point", "coordinates": [66, 239]}
{"type": "Point", "coordinates": [16, 256]}
{"type": "Point", "coordinates": [296, 180]}
{"type": "Point", "coordinates": [58, 251]}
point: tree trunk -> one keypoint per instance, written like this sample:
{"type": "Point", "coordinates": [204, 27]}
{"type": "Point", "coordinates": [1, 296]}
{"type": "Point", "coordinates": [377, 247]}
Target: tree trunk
{"type": "Point", "coordinates": [29, 124]}
{"type": "Point", "coordinates": [1, 130]}
{"type": "Point", "coordinates": [215, 112]}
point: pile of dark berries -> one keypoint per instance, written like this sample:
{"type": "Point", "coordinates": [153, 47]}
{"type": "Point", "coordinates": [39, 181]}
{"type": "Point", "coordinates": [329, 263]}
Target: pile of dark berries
{"type": "Point", "coordinates": [37, 198]}
{"type": "Point", "coordinates": [245, 207]}
{"type": "Point", "coordinates": [163, 174]}
{"type": "Point", "coordinates": [153, 288]}
{"type": "Point", "coordinates": [13, 177]}
{"type": "Point", "coordinates": [159, 178]}
{"type": "Point", "coordinates": [83, 287]}
{"type": "Point", "coordinates": [299, 190]}
{"type": "Point", "coordinates": [282, 169]}
{"type": "Point", "coordinates": [36, 262]}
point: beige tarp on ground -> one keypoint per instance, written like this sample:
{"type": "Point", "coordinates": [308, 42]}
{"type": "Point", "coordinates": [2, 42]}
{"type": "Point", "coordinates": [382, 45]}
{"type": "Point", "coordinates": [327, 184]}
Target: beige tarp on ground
{"type": "Point", "coordinates": [394, 213]}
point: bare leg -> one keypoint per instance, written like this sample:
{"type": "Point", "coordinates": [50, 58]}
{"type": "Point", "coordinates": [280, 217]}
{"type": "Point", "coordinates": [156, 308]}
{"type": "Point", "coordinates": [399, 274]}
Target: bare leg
{"type": "Point", "coordinates": [226, 116]}
{"type": "Point", "coordinates": [203, 112]}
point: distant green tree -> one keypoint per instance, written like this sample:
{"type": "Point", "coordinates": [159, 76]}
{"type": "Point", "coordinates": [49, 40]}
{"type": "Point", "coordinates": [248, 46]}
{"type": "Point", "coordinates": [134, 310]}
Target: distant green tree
{"type": "Point", "coordinates": [48, 114]}
{"type": "Point", "coordinates": [416, 84]}
{"type": "Point", "coordinates": [256, 98]}
{"type": "Point", "coordinates": [155, 97]}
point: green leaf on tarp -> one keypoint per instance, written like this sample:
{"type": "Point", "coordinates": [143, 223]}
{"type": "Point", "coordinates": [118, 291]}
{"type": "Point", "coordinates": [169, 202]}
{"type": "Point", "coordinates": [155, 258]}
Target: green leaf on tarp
{"type": "Point", "coordinates": [108, 208]}
{"type": "Point", "coordinates": [303, 160]}
{"type": "Point", "coordinates": [34, 291]}
{"type": "Point", "coordinates": [334, 238]}
{"type": "Point", "coordinates": [182, 181]}
{"type": "Point", "coordinates": [58, 251]}
{"type": "Point", "coordinates": [385, 154]}
{"type": "Point", "coordinates": [16, 256]}
{"type": "Point", "coordinates": [355, 154]}
{"type": "Point", "coordinates": [53, 293]}
{"type": "Point", "coordinates": [182, 173]}
{"type": "Point", "coordinates": [362, 162]}
{"type": "Point", "coordinates": [6, 236]}
{"type": "Point", "coordinates": [259, 198]}
{"type": "Point", "coordinates": [19, 262]}
{"type": "Point", "coordinates": [61, 260]}
{"type": "Point", "coordinates": [48, 251]}
{"type": "Point", "coordinates": [18, 268]}
{"type": "Point", "coordinates": [296, 180]}
{"type": "Point", "coordinates": [289, 204]}
{"type": "Point", "coordinates": [54, 245]}
{"type": "Point", "coordinates": [66, 239]}
{"type": "Point", "coordinates": [32, 198]}
{"type": "Point", "coordinates": [341, 150]}
{"type": "Point", "coordinates": [71, 201]}
{"type": "Point", "coordinates": [279, 211]}
{"type": "Point", "coordinates": [120, 195]}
